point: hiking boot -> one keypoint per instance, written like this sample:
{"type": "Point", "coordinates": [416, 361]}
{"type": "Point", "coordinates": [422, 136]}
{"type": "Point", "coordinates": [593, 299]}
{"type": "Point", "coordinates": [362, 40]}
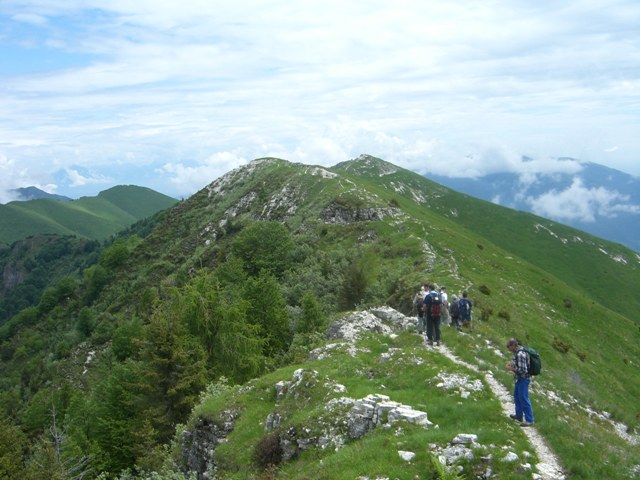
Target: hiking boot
{"type": "Point", "coordinates": [526, 424]}
{"type": "Point", "coordinates": [438, 343]}
{"type": "Point", "coordinates": [518, 419]}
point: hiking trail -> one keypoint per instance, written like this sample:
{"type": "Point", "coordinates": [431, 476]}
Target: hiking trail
{"type": "Point", "coordinates": [549, 467]}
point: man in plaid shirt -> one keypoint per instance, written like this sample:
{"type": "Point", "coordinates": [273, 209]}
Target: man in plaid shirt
{"type": "Point", "coordinates": [519, 365]}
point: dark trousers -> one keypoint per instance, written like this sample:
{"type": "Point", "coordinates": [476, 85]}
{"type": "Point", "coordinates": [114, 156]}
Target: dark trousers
{"type": "Point", "coordinates": [433, 328]}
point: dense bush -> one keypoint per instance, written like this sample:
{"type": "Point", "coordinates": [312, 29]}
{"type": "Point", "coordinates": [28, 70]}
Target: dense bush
{"type": "Point", "coordinates": [268, 451]}
{"type": "Point", "coordinates": [264, 246]}
{"type": "Point", "coordinates": [484, 289]}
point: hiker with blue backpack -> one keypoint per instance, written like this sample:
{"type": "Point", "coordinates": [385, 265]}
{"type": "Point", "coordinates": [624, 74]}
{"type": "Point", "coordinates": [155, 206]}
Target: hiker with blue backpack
{"type": "Point", "coordinates": [454, 312]}
{"type": "Point", "coordinates": [464, 307]}
{"type": "Point", "coordinates": [432, 310]}
{"type": "Point", "coordinates": [520, 366]}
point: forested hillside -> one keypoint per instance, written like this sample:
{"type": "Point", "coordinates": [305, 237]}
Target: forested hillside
{"type": "Point", "coordinates": [32, 264]}
{"type": "Point", "coordinates": [172, 331]}
{"type": "Point", "coordinates": [58, 262]}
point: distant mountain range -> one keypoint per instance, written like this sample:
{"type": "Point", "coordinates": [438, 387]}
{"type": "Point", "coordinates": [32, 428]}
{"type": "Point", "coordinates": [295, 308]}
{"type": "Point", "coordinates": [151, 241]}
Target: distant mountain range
{"type": "Point", "coordinates": [34, 193]}
{"type": "Point", "coordinates": [597, 199]}
{"type": "Point", "coordinates": [94, 218]}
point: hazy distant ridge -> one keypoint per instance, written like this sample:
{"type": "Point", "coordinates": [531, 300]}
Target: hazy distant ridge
{"type": "Point", "coordinates": [597, 199]}
{"type": "Point", "coordinates": [34, 193]}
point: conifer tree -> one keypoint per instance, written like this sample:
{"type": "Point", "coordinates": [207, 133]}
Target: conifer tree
{"type": "Point", "coordinates": [267, 309]}
{"type": "Point", "coordinates": [311, 319]}
{"type": "Point", "coordinates": [174, 371]}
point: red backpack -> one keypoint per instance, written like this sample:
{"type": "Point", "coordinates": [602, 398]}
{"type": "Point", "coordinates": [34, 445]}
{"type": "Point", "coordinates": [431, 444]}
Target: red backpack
{"type": "Point", "coordinates": [435, 304]}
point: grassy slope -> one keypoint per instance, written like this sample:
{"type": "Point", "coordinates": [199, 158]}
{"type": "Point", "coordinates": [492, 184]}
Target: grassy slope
{"type": "Point", "coordinates": [91, 217]}
{"type": "Point", "coordinates": [16, 223]}
{"type": "Point", "coordinates": [408, 376]}
{"type": "Point", "coordinates": [140, 202]}
{"type": "Point", "coordinates": [593, 364]}
{"type": "Point", "coordinates": [588, 263]}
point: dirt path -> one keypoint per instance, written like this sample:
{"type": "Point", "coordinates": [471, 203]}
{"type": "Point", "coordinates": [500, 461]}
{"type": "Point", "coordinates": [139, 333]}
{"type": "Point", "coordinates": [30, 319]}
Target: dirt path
{"type": "Point", "coordinates": [549, 467]}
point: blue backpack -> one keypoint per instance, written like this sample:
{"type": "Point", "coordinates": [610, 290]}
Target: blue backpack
{"type": "Point", "coordinates": [464, 305]}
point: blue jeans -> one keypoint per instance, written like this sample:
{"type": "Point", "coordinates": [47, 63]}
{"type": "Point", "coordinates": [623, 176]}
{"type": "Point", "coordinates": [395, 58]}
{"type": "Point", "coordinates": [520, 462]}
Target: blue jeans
{"type": "Point", "coordinates": [521, 398]}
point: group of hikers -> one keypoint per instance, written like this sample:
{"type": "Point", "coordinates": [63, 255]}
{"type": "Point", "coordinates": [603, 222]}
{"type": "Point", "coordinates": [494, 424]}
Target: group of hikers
{"type": "Point", "coordinates": [434, 309]}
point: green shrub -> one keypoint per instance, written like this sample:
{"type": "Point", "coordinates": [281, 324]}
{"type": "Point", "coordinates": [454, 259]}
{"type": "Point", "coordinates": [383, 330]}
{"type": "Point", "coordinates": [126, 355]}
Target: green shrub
{"type": "Point", "coordinates": [63, 349]}
{"type": "Point", "coordinates": [264, 246]}
{"type": "Point", "coordinates": [86, 321]}
{"type": "Point", "coordinates": [104, 330]}
{"type": "Point", "coordinates": [485, 313]}
{"type": "Point", "coordinates": [484, 289]}
{"type": "Point", "coordinates": [127, 339]}
{"type": "Point", "coordinates": [268, 451]}
{"type": "Point", "coordinates": [560, 346]}
{"type": "Point", "coordinates": [115, 255]}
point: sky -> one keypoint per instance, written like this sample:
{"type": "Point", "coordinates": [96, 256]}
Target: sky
{"type": "Point", "coordinates": [170, 95]}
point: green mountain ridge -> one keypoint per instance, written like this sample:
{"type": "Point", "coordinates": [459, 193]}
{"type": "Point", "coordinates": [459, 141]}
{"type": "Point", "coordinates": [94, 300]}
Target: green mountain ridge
{"type": "Point", "coordinates": [94, 218]}
{"type": "Point", "coordinates": [188, 330]}
{"type": "Point", "coordinates": [561, 250]}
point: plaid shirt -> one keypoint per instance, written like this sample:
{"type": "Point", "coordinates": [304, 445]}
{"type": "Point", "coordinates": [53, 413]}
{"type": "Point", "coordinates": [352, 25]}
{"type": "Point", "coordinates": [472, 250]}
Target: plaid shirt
{"type": "Point", "coordinates": [520, 363]}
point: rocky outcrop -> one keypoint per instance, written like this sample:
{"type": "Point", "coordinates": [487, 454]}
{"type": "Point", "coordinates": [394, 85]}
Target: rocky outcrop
{"type": "Point", "coordinates": [337, 213]}
{"type": "Point", "coordinates": [383, 320]}
{"type": "Point", "coordinates": [12, 276]}
{"type": "Point", "coordinates": [346, 419]}
{"type": "Point", "coordinates": [199, 444]}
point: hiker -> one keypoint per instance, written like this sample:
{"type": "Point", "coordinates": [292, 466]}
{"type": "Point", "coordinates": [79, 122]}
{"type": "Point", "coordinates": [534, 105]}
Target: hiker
{"type": "Point", "coordinates": [519, 365]}
{"type": "Point", "coordinates": [418, 300]}
{"type": "Point", "coordinates": [454, 312]}
{"type": "Point", "coordinates": [446, 319]}
{"type": "Point", "coordinates": [465, 306]}
{"type": "Point", "coordinates": [433, 305]}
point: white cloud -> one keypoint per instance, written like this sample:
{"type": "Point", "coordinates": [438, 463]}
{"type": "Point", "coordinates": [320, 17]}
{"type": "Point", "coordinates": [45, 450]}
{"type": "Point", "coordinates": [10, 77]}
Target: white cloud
{"type": "Point", "coordinates": [582, 204]}
{"type": "Point", "coordinates": [11, 177]}
{"type": "Point", "coordinates": [77, 179]}
{"type": "Point", "coordinates": [438, 87]}
{"type": "Point", "coordinates": [30, 18]}
{"type": "Point", "coordinates": [189, 179]}
{"type": "Point", "coordinates": [533, 171]}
